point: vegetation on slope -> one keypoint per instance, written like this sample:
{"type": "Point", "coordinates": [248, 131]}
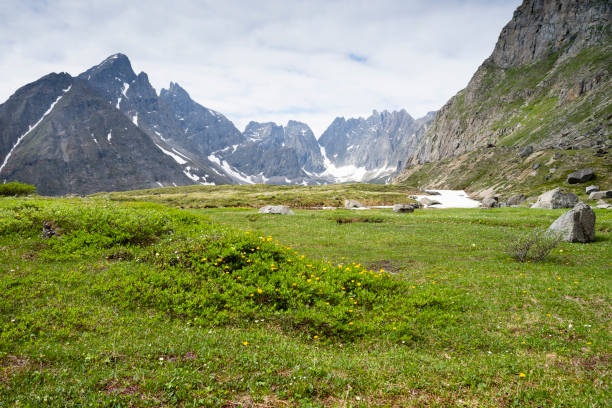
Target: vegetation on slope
{"type": "Point", "coordinates": [502, 171]}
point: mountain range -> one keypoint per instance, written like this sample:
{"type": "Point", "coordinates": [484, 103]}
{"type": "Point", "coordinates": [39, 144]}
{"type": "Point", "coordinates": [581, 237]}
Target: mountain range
{"type": "Point", "coordinates": [108, 129]}
{"type": "Point", "coordinates": [545, 90]}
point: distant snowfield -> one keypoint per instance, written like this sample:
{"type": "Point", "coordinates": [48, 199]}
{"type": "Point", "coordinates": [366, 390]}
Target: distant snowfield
{"type": "Point", "coordinates": [451, 199]}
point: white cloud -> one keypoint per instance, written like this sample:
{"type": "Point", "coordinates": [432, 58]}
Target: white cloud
{"type": "Point", "coordinates": [265, 60]}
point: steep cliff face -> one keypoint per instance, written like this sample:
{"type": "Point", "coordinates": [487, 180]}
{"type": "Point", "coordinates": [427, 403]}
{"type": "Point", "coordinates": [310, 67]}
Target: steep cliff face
{"type": "Point", "coordinates": [547, 83]}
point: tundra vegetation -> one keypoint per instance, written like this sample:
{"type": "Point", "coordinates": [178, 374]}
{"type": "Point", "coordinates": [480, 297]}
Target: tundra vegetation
{"type": "Point", "coordinates": [140, 304]}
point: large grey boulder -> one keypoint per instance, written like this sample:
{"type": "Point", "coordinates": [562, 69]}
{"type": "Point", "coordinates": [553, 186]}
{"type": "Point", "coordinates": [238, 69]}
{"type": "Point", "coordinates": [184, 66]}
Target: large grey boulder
{"type": "Point", "coordinates": [591, 189]}
{"type": "Point", "coordinates": [403, 208]}
{"type": "Point", "coordinates": [276, 209]}
{"type": "Point", "coordinates": [352, 204]}
{"type": "Point", "coordinates": [556, 199]}
{"type": "Point", "coordinates": [598, 195]}
{"type": "Point", "coordinates": [428, 201]}
{"type": "Point", "coordinates": [580, 176]}
{"type": "Point", "coordinates": [576, 225]}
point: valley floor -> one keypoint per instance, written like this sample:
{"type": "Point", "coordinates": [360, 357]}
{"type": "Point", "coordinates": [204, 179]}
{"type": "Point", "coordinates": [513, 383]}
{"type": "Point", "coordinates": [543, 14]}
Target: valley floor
{"type": "Point", "coordinates": [120, 317]}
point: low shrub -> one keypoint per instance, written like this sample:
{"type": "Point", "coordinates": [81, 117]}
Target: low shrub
{"type": "Point", "coordinates": [533, 246]}
{"type": "Point", "coordinates": [349, 220]}
{"type": "Point", "coordinates": [15, 188]}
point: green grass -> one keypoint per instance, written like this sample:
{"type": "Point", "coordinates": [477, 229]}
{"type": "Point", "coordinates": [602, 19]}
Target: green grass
{"type": "Point", "coordinates": [129, 309]}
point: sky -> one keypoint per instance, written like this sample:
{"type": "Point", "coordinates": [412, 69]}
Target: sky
{"type": "Point", "coordinates": [264, 60]}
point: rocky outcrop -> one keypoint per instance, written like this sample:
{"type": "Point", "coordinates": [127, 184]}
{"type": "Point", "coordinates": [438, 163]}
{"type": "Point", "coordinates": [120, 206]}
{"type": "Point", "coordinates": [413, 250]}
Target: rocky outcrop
{"type": "Point", "coordinates": [556, 199]}
{"type": "Point", "coordinates": [598, 195]}
{"type": "Point", "coordinates": [403, 208]}
{"type": "Point", "coordinates": [349, 204]}
{"type": "Point", "coordinates": [576, 225]}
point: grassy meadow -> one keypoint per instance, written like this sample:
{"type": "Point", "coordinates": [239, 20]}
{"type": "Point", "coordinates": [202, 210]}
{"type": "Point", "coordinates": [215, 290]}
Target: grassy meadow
{"type": "Point", "coordinates": [140, 304]}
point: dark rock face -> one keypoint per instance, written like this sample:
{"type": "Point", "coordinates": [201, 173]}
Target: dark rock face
{"type": "Point", "coordinates": [84, 145]}
{"type": "Point", "coordinates": [580, 176]}
{"type": "Point", "coordinates": [576, 225]}
{"type": "Point", "coordinates": [173, 121]}
{"type": "Point", "coordinates": [379, 143]}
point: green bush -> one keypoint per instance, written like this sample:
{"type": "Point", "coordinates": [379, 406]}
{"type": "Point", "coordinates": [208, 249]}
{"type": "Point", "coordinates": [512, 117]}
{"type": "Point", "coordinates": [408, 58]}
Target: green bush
{"type": "Point", "coordinates": [15, 188]}
{"type": "Point", "coordinates": [533, 246]}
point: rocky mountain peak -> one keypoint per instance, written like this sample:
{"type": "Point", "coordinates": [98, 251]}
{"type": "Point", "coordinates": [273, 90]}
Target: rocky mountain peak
{"type": "Point", "coordinates": [541, 27]}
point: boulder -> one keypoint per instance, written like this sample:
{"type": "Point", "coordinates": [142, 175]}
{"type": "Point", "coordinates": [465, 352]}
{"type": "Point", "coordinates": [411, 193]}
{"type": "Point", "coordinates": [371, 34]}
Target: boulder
{"type": "Point", "coordinates": [602, 205]}
{"type": "Point", "coordinates": [591, 189]}
{"type": "Point", "coordinates": [428, 201]}
{"type": "Point", "coordinates": [490, 202]}
{"type": "Point", "coordinates": [515, 199]}
{"type": "Point", "coordinates": [431, 192]}
{"type": "Point", "coordinates": [598, 195]}
{"type": "Point", "coordinates": [576, 225]}
{"type": "Point", "coordinates": [403, 208]}
{"type": "Point", "coordinates": [580, 176]}
{"type": "Point", "coordinates": [536, 166]}
{"type": "Point", "coordinates": [276, 209]}
{"type": "Point", "coordinates": [352, 204]}
{"type": "Point", "coordinates": [526, 151]}
{"type": "Point", "coordinates": [556, 199]}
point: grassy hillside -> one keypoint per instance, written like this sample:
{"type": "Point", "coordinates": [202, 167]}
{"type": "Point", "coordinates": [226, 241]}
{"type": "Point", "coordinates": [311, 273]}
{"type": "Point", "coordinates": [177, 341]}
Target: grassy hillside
{"type": "Point", "coordinates": [332, 195]}
{"type": "Point", "coordinates": [136, 304]}
{"type": "Point", "coordinates": [502, 171]}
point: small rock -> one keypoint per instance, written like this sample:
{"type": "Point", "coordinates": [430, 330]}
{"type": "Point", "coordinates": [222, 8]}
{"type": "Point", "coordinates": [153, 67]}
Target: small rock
{"type": "Point", "coordinates": [536, 166]}
{"type": "Point", "coordinates": [428, 201]}
{"type": "Point", "coordinates": [49, 230]}
{"type": "Point", "coordinates": [580, 176]}
{"type": "Point", "coordinates": [526, 151]}
{"type": "Point", "coordinates": [431, 192]}
{"type": "Point", "coordinates": [403, 208]}
{"type": "Point", "coordinates": [597, 195]}
{"type": "Point", "coordinates": [576, 225]}
{"type": "Point", "coordinates": [276, 209]}
{"type": "Point", "coordinates": [490, 202]}
{"type": "Point", "coordinates": [591, 189]}
{"type": "Point", "coordinates": [556, 199]}
{"type": "Point", "coordinates": [602, 205]}
{"type": "Point", "coordinates": [352, 204]}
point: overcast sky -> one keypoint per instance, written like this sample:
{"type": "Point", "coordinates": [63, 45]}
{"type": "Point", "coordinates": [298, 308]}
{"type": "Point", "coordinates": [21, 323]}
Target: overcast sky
{"type": "Point", "coordinates": [264, 60]}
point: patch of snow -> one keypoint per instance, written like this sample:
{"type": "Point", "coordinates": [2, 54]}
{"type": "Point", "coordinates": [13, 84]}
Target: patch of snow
{"type": "Point", "coordinates": [32, 127]}
{"type": "Point", "coordinates": [180, 154]}
{"type": "Point", "coordinates": [452, 199]}
{"type": "Point", "coordinates": [191, 176]}
{"type": "Point", "coordinates": [229, 170]}
{"type": "Point", "coordinates": [110, 135]}
{"type": "Point", "coordinates": [174, 184]}
{"type": "Point", "coordinates": [159, 134]}
{"type": "Point", "coordinates": [125, 88]}
{"type": "Point", "coordinates": [343, 173]}
{"type": "Point", "coordinates": [135, 119]}
{"type": "Point", "coordinates": [118, 102]}
{"type": "Point", "coordinates": [94, 139]}
{"type": "Point", "coordinates": [159, 184]}
{"type": "Point", "coordinates": [176, 158]}
{"type": "Point", "coordinates": [287, 180]}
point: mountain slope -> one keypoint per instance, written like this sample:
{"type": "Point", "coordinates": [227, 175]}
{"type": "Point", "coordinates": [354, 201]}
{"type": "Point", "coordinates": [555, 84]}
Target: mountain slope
{"type": "Point", "coordinates": [84, 145]}
{"type": "Point", "coordinates": [546, 84]}
{"type": "Point", "coordinates": [133, 95]}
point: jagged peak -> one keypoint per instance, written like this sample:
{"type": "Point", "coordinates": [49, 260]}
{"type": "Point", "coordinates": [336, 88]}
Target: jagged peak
{"type": "Point", "coordinates": [118, 64]}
